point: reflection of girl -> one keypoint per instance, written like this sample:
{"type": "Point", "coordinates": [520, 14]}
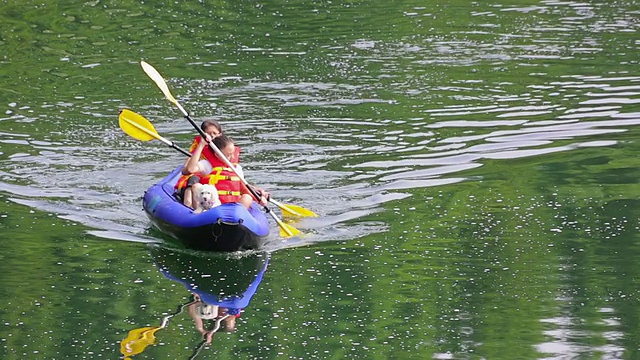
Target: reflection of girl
{"type": "Point", "coordinates": [221, 288]}
{"type": "Point", "coordinates": [199, 311]}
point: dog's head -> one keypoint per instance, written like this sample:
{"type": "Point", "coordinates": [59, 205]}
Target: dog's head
{"type": "Point", "coordinates": [207, 197]}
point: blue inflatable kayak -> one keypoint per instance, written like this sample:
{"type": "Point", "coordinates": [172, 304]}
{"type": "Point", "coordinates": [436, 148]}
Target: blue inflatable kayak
{"type": "Point", "coordinates": [228, 227]}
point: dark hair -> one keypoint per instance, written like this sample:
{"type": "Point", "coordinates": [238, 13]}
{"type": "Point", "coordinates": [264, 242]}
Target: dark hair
{"type": "Point", "coordinates": [209, 123]}
{"type": "Point", "coordinates": [222, 141]}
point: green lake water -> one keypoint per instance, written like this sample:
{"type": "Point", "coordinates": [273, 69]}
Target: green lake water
{"type": "Point", "coordinates": [474, 165]}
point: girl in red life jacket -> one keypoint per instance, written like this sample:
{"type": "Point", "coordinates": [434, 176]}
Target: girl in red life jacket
{"type": "Point", "coordinates": [211, 128]}
{"type": "Point", "coordinates": [226, 180]}
{"type": "Point", "coordinates": [213, 170]}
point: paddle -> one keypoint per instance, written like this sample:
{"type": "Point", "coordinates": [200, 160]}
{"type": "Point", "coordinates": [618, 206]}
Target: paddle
{"type": "Point", "coordinates": [292, 211]}
{"type": "Point", "coordinates": [286, 230]}
{"type": "Point", "coordinates": [138, 127]}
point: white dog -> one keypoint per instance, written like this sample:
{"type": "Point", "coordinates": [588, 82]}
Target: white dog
{"type": "Point", "coordinates": [205, 197]}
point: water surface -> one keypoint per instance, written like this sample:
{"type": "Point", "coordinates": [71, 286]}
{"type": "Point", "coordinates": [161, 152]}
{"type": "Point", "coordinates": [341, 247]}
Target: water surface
{"type": "Point", "coordinates": [473, 165]}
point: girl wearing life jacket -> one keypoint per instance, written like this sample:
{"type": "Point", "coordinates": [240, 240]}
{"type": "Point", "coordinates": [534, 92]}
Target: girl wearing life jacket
{"type": "Point", "coordinates": [212, 170]}
{"type": "Point", "coordinates": [212, 128]}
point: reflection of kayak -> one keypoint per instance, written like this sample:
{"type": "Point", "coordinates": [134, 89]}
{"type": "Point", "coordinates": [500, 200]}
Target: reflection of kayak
{"type": "Point", "coordinates": [228, 227]}
{"type": "Point", "coordinates": [226, 282]}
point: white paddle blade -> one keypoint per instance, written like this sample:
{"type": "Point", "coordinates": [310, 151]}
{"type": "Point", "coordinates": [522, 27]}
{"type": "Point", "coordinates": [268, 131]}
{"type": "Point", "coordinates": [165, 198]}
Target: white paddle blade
{"type": "Point", "coordinates": [158, 79]}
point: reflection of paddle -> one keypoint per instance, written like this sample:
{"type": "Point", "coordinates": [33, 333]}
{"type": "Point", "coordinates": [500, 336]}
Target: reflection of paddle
{"type": "Point", "coordinates": [138, 127]}
{"type": "Point", "coordinates": [208, 337]}
{"type": "Point", "coordinates": [138, 339]}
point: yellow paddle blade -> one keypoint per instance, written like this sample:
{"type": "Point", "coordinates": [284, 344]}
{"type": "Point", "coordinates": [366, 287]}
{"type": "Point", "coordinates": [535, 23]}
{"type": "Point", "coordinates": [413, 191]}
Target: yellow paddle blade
{"type": "Point", "coordinates": [288, 230]}
{"type": "Point", "coordinates": [295, 211]}
{"type": "Point", "coordinates": [157, 78]}
{"type": "Point", "coordinates": [136, 126]}
{"type": "Point", "coordinates": [137, 340]}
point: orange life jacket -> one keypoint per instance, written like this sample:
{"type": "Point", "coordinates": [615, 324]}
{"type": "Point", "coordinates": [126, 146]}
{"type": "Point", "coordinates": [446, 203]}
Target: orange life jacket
{"type": "Point", "coordinates": [225, 180]}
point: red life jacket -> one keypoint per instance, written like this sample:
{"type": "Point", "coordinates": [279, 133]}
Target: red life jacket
{"type": "Point", "coordinates": [209, 154]}
{"type": "Point", "coordinates": [224, 179]}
